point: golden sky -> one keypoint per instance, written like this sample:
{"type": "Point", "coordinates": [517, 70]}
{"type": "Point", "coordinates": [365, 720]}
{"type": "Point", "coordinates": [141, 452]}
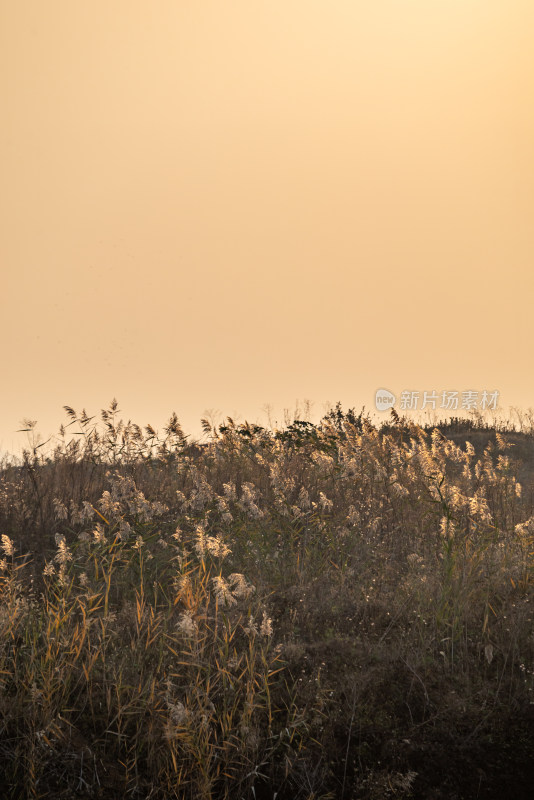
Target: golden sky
{"type": "Point", "coordinates": [223, 205]}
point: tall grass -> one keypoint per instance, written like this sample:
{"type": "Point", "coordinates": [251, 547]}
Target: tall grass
{"type": "Point", "coordinates": [322, 611]}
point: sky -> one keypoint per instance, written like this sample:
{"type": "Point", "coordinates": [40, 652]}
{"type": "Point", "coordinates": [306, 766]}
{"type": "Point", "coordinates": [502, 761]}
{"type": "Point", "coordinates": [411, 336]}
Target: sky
{"type": "Point", "coordinates": [230, 207]}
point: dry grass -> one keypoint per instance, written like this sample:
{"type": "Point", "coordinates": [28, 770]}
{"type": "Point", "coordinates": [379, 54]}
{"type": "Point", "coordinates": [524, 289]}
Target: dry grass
{"type": "Point", "coordinates": [330, 611]}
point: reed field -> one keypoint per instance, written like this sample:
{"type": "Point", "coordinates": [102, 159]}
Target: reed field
{"type": "Point", "coordinates": [324, 611]}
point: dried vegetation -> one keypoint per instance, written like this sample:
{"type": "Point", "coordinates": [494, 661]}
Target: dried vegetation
{"type": "Point", "coordinates": [323, 611]}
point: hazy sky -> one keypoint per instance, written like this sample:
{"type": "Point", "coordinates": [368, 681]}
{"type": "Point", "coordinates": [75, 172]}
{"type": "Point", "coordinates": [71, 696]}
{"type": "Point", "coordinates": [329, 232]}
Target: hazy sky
{"type": "Point", "coordinates": [223, 205]}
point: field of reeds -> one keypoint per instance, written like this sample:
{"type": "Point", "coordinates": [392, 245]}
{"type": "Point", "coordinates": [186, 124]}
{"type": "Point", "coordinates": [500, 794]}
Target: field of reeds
{"type": "Point", "coordinates": [333, 611]}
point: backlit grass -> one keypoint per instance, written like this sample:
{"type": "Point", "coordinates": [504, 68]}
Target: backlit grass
{"type": "Point", "coordinates": [323, 611]}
